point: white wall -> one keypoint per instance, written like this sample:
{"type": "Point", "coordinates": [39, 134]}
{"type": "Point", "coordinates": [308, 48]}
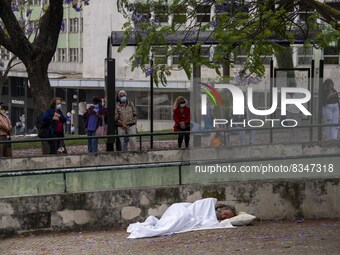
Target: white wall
{"type": "Point", "coordinates": [100, 18]}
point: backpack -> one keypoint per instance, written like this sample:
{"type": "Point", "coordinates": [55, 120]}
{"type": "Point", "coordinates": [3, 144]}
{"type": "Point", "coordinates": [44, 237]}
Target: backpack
{"type": "Point", "coordinates": [42, 126]}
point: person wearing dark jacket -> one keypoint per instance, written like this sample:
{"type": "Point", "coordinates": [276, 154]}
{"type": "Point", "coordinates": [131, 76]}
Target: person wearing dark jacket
{"type": "Point", "coordinates": [94, 117]}
{"type": "Point", "coordinates": [56, 119]}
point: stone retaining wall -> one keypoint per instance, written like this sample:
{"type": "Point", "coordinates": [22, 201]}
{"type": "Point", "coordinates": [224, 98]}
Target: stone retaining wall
{"type": "Point", "coordinates": [267, 199]}
{"type": "Point", "coordinates": [117, 158]}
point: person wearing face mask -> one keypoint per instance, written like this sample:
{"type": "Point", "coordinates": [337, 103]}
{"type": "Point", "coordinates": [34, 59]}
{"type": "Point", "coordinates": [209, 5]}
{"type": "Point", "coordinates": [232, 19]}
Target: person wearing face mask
{"type": "Point", "coordinates": [56, 119]}
{"type": "Point", "coordinates": [181, 117]}
{"type": "Point", "coordinates": [126, 119]}
{"type": "Point", "coordinates": [94, 117]}
{"type": "Point", "coordinates": [5, 132]}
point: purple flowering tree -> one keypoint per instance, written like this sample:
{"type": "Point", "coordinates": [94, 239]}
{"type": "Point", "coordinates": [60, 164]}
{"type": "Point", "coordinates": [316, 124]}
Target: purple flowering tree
{"type": "Point", "coordinates": [34, 46]}
{"type": "Point", "coordinates": [231, 27]}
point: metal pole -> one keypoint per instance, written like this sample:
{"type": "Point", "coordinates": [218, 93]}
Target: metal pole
{"type": "Point", "coordinates": [110, 89]}
{"type": "Point", "coordinates": [151, 103]}
{"type": "Point", "coordinates": [196, 101]}
{"type": "Point", "coordinates": [320, 99]}
{"type": "Point", "coordinates": [311, 84]}
{"type": "Point", "coordinates": [180, 174]}
{"type": "Point", "coordinates": [271, 95]}
{"type": "Point", "coordinates": [65, 182]}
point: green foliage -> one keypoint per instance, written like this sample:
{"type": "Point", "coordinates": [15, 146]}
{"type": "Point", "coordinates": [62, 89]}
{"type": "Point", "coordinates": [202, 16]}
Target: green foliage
{"type": "Point", "coordinates": [237, 26]}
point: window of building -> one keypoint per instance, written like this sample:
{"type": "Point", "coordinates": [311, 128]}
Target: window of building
{"type": "Point", "coordinates": [63, 28]}
{"type": "Point", "coordinates": [161, 13]}
{"type": "Point", "coordinates": [179, 14]}
{"type": "Point", "coordinates": [162, 106]}
{"type": "Point", "coordinates": [61, 55]}
{"type": "Point", "coordinates": [35, 2]}
{"type": "Point", "coordinates": [206, 53]}
{"type": "Point", "coordinates": [159, 54]}
{"type": "Point", "coordinates": [5, 89]}
{"type": "Point", "coordinates": [33, 25]}
{"type": "Point", "coordinates": [331, 55]}
{"type": "Point", "coordinates": [203, 13]}
{"type": "Point", "coordinates": [81, 25]}
{"type": "Point", "coordinates": [74, 55]}
{"type": "Point", "coordinates": [240, 56]}
{"type": "Point", "coordinates": [163, 103]}
{"type": "Point", "coordinates": [54, 58]}
{"type": "Point", "coordinates": [18, 87]}
{"type": "Point", "coordinates": [141, 100]}
{"type": "Point", "coordinates": [265, 60]}
{"type": "Point", "coordinates": [73, 25]}
{"type": "Point", "coordinates": [233, 7]}
{"type": "Point", "coordinates": [38, 2]}
{"type": "Point", "coordinates": [175, 57]}
{"type": "Point", "coordinates": [304, 12]}
{"type": "Point", "coordinates": [304, 56]}
{"type": "Point", "coordinates": [142, 13]}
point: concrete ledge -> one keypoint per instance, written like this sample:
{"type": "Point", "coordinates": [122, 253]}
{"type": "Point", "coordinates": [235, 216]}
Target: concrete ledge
{"type": "Point", "coordinates": [267, 199]}
{"type": "Point", "coordinates": [251, 152]}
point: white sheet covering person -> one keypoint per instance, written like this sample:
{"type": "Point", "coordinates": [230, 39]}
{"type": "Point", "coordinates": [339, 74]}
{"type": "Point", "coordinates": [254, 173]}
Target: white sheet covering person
{"type": "Point", "coordinates": [179, 217]}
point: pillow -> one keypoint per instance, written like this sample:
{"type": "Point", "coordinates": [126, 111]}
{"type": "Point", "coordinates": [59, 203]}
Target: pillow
{"type": "Point", "coordinates": [241, 219]}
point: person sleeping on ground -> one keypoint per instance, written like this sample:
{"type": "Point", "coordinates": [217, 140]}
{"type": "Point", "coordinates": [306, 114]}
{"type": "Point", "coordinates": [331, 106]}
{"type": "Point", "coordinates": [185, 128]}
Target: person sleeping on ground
{"type": "Point", "coordinates": [225, 212]}
{"type": "Point", "coordinates": [184, 217]}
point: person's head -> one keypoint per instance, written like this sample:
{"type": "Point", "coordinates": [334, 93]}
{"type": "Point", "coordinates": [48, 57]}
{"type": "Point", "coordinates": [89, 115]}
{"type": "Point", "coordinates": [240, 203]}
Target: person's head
{"type": "Point", "coordinates": [225, 212]}
{"type": "Point", "coordinates": [328, 84]}
{"type": "Point", "coordinates": [180, 102]}
{"type": "Point", "coordinates": [96, 101]}
{"type": "Point", "coordinates": [122, 96]}
{"type": "Point", "coordinates": [56, 103]}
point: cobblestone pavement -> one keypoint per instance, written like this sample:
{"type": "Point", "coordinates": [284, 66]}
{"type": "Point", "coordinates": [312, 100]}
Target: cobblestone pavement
{"type": "Point", "coordinates": [267, 237]}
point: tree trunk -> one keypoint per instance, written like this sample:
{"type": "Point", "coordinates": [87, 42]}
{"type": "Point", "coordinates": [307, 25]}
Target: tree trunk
{"type": "Point", "coordinates": [40, 86]}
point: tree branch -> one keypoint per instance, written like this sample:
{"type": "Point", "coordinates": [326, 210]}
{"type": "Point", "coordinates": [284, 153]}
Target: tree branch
{"type": "Point", "coordinates": [330, 15]}
{"type": "Point", "coordinates": [20, 44]}
{"type": "Point", "coordinates": [4, 40]}
{"type": "Point", "coordinates": [49, 29]}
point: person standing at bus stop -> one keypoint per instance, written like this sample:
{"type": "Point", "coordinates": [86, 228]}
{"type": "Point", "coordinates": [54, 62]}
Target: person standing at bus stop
{"type": "Point", "coordinates": [94, 117]}
{"type": "Point", "coordinates": [5, 132]}
{"type": "Point", "coordinates": [56, 119]}
{"type": "Point", "coordinates": [330, 109]}
{"type": "Point", "coordinates": [182, 120]}
{"type": "Point", "coordinates": [126, 119]}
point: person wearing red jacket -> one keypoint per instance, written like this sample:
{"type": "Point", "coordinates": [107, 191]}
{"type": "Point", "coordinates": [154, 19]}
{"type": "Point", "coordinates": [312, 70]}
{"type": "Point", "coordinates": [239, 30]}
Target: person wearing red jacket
{"type": "Point", "coordinates": [182, 120]}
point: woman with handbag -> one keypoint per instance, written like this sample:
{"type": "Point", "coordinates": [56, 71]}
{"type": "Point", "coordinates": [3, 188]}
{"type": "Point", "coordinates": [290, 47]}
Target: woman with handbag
{"type": "Point", "coordinates": [95, 123]}
{"type": "Point", "coordinates": [5, 133]}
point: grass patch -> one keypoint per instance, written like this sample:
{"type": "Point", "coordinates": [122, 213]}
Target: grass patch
{"type": "Point", "coordinates": [26, 144]}
{"type": "Point", "coordinates": [160, 137]}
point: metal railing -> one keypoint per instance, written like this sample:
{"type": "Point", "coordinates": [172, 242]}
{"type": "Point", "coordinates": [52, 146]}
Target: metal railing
{"type": "Point", "coordinates": [227, 132]}
{"type": "Point", "coordinates": [141, 166]}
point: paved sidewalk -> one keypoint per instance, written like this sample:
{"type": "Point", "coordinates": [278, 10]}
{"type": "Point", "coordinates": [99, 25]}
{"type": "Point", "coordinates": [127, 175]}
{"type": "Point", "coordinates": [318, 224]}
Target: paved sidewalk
{"type": "Point", "coordinates": [268, 237]}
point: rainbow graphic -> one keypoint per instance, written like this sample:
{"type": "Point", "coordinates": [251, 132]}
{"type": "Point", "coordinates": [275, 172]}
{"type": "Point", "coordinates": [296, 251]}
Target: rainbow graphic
{"type": "Point", "coordinates": [208, 89]}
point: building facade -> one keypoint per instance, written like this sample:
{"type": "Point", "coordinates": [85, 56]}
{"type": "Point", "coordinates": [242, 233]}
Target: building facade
{"type": "Point", "coordinates": [77, 70]}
